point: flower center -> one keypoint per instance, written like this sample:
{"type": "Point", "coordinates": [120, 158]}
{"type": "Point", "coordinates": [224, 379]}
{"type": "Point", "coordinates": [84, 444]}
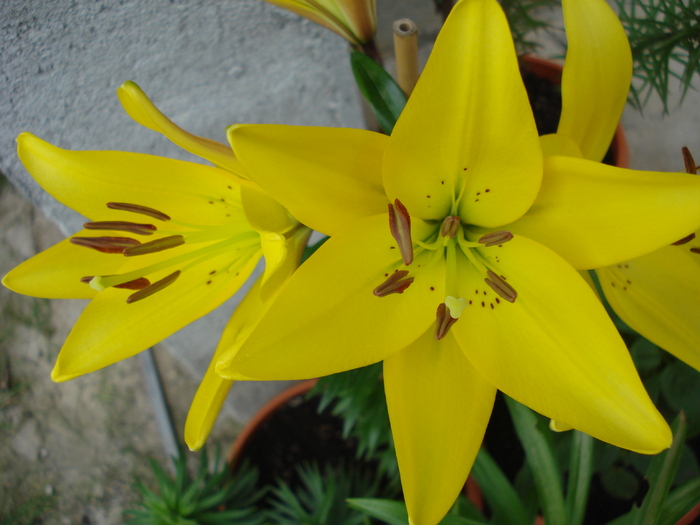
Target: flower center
{"type": "Point", "coordinates": [446, 241]}
{"type": "Point", "coordinates": [188, 245]}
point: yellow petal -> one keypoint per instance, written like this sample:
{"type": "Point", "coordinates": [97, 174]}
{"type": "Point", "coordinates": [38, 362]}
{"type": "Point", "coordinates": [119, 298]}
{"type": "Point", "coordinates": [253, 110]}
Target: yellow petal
{"type": "Point", "coordinates": [555, 349]}
{"type": "Point", "coordinates": [558, 144]}
{"type": "Point", "coordinates": [277, 272]}
{"type": "Point", "coordinates": [468, 128]}
{"type": "Point", "coordinates": [596, 77]}
{"type": "Point", "coordinates": [86, 180]}
{"type": "Point", "coordinates": [213, 389]}
{"type": "Point", "coordinates": [110, 330]}
{"type": "Point", "coordinates": [263, 213]}
{"type": "Point", "coordinates": [596, 215]}
{"type": "Point", "coordinates": [360, 16]}
{"type": "Point", "coordinates": [657, 295]}
{"type": "Point", "coordinates": [439, 407]}
{"type": "Point", "coordinates": [327, 319]}
{"type": "Point", "coordinates": [55, 273]}
{"type": "Point", "coordinates": [142, 110]}
{"type": "Point", "coordinates": [323, 18]}
{"type": "Point", "coordinates": [327, 178]}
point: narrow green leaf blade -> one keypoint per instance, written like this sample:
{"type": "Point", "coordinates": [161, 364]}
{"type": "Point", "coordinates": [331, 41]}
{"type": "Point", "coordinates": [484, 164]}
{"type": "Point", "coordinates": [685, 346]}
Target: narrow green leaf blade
{"type": "Point", "coordinates": [381, 91]}
{"type": "Point", "coordinates": [661, 473]}
{"type": "Point", "coordinates": [542, 461]}
{"type": "Point", "coordinates": [498, 491]}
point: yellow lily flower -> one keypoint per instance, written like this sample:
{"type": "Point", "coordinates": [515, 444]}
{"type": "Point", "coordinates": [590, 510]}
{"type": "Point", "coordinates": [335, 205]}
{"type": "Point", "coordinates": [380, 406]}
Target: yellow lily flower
{"type": "Point", "coordinates": [656, 294]}
{"type": "Point", "coordinates": [167, 242]}
{"type": "Point", "coordinates": [444, 293]}
{"type": "Point", "coordinates": [354, 20]}
{"type": "Point", "coordinates": [213, 389]}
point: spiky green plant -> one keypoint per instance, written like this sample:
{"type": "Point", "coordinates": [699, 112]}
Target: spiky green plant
{"type": "Point", "coordinates": [357, 397]}
{"type": "Point", "coordinates": [213, 497]}
{"type": "Point", "coordinates": [524, 19]}
{"type": "Point", "coordinates": [665, 40]}
{"type": "Point", "coordinates": [321, 497]}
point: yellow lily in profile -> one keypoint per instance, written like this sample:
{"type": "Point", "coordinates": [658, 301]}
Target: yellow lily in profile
{"type": "Point", "coordinates": [354, 20]}
{"type": "Point", "coordinates": [167, 242]}
{"type": "Point", "coordinates": [656, 294]}
{"type": "Point", "coordinates": [444, 293]}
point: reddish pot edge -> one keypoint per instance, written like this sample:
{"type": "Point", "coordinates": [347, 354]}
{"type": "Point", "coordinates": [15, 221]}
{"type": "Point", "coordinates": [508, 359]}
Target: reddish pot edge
{"type": "Point", "coordinates": [264, 414]}
{"type": "Point", "coordinates": [552, 71]}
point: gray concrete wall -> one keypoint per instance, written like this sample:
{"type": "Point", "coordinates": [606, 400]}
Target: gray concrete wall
{"type": "Point", "coordinates": [206, 63]}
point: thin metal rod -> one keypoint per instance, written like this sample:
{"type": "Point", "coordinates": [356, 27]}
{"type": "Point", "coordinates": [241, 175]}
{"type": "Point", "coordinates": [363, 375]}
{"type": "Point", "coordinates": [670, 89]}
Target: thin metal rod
{"type": "Point", "coordinates": [160, 403]}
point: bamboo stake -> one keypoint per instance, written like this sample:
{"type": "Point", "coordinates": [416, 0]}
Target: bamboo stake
{"type": "Point", "coordinates": [406, 51]}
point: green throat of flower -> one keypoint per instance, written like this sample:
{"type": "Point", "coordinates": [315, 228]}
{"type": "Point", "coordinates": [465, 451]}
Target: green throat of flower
{"type": "Point", "coordinates": [188, 246]}
{"type": "Point", "coordinates": [447, 239]}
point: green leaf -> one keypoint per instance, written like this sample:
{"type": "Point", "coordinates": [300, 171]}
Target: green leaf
{"type": "Point", "coordinates": [661, 473]}
{"type": "Point", "coordinates": [680, 501]}
{"type": "Point", "coordinates": [381, 91]}
{"type": "Point", "coordinates": [387, 510]}
{"type": "Point", "coordinates": [498, 491]}
{"type": "Point", "coordinates": [580, 473]}
{"type": "Point", "coordinates": [542, 460]}
{"type": "Point", "coordinates": [620, 482]}
{"type": "Point", "coordinates": [646, 355]}
{"type": "Point", "coordinates": [680, 385]}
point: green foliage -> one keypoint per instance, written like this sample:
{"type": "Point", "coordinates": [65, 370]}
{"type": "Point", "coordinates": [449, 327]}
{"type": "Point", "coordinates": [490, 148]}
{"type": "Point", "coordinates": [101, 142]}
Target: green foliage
{"type": "Point", "coordinates": [321, 498]}
{"type": "Point", "coordinates": [210, 498]}
{"type": "Point", "coordinates": [381, 91]}
{"type": "Point", "coordinates": [523, 20]}
{"type": "Point", "coordinates": [661, 33]}
{"type": "Point", "coordinates": [357, 396]}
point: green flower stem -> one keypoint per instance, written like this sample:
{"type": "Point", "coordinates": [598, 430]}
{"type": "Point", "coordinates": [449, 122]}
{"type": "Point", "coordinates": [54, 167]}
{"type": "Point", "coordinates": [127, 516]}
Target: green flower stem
{"type": "Point", "coordinates": [540, 457]}
{"type": "Point", "coordinates": [580, 473]}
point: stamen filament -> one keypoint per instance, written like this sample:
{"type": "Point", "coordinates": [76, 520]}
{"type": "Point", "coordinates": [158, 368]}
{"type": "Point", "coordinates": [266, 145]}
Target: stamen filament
{"type": "Point", "coordinates": [395, 283]}
{"type": "Point", "coordinates": [136, 208]}
{"type": "Point", "coordinates": [130, 227]}
{"type": "Point", "coordinates": [400, 225]}
{"type": "Point", "coordinates": [105, 244]}
{"type": "Point", "coordinates": [501, 287]}
{"type": "Point", "coordinates": [153, 288]}
{"type": "Point", "coordinates": [99, 283]}
{"type": "Point", "coordinates": [158, 245]}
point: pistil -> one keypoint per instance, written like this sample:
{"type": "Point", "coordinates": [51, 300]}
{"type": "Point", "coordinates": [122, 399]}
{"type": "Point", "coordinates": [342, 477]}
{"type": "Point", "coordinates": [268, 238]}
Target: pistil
{"type": "Point", "coordinates": [400, 226]}
{"type": "Point", "coordinates": [396, 283]}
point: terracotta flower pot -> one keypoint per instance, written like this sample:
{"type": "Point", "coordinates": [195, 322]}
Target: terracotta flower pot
{"type": "Point", "coordinates": [552, 72]}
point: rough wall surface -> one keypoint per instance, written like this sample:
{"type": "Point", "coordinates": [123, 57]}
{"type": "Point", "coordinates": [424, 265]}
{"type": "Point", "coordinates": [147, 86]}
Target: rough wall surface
{"type": "Point", "coordinates": [205, 63]}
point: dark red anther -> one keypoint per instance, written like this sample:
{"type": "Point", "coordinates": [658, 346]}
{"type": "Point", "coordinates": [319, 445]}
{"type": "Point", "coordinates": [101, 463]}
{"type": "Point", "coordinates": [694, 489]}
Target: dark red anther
{"type": "Point", "coordinates": [400, 225]}
{"type": "Point", "coordinates": [130, 227]}
{"type": "Point", "coordinates": [501, 287]}
{"type": "Point", "coordinates": [105, 244]}
{"type": "Point", "coordinates": [395, 283]}
{"type": "Point", "coordinates": [444, 321]}
{"type": "Point", "coordinates": [495, 238]}
{"type": "Point", "coordinates": [158, 245]}
{"type": "Point", "coordinates": [136, 208]}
